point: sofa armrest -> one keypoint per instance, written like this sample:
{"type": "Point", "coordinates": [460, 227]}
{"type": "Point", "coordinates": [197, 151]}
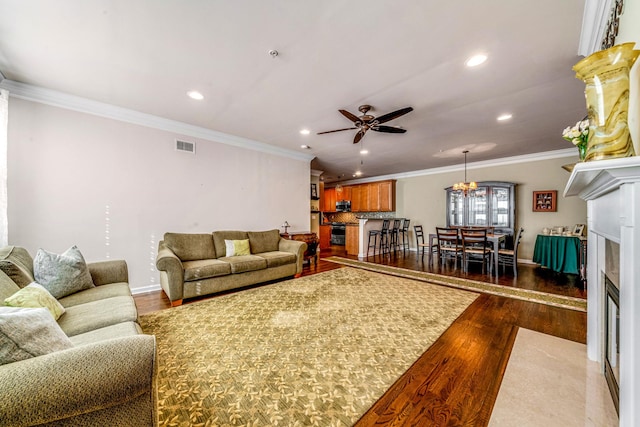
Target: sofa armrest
{"type": "Point", "coordinates": [295, 247]}
{"type": "Point", "coordinates": [171, 272]}
{"type": "Point", "coordinates": [79, 381]}
{"type": "Point", "coordinates": [105, 272]}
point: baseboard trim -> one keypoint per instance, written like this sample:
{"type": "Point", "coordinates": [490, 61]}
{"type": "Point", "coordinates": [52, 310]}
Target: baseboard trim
{"type": "Point", "coordinates": [145, 289]}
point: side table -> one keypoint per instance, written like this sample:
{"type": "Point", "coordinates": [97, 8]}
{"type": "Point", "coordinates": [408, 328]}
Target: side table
{"type": "Point", "coordinates": [310, 238]}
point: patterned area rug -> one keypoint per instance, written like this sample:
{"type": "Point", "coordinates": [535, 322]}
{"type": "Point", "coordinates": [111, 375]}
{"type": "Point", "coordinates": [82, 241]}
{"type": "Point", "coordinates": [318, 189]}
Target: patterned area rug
{"type": "Point", "coordinates": [314, 351]}
{"type": "Point", "coordinates": [562, 301]}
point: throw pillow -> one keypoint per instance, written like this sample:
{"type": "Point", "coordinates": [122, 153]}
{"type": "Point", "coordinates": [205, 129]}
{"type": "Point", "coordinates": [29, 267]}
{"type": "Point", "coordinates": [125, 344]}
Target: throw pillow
{"type": "Point", "coordinates": [62, 274]}
{"type": "Point", "coordinates": [16, 263]}
{"type": "Point", "coordinates": [237, 247]}
{"type": "Point", "coordinates": [29, 332]}
{"type": "Point", "coordinates": [35, 295]}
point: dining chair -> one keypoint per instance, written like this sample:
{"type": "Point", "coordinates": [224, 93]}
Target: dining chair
{"type": "Point", "coordinates": [448, 244]}
{"type": "Point", "coordinates": [421, 245]}
{"type": "Point", "coordinates": [476, 247]}
{"type": "Point", "coordinates": [510, 256]}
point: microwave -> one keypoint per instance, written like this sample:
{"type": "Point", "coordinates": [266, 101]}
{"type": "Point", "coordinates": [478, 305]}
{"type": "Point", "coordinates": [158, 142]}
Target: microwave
{"type": "Point", "coordinates": [343, 206]}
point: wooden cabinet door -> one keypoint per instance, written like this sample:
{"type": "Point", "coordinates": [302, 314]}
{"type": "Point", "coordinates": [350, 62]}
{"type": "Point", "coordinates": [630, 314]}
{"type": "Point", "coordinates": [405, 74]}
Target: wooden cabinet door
{"type": "Point", "coordinates": [325, 237]}
{"type": "Point", "coordinates": [356, 198]}
{"type": "Point", "coordinates": [347, 194]}
{"type": "Point", "coordinates": [373, 201]}
{"type": "Point", "coordinates": [351, 239]}
{"type": "Point", "coordinates": [386, 191]}
{"type": "Point", "coordinates": [329, 200]}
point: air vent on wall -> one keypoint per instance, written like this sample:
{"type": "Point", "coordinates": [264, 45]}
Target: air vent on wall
{"type": "Point", "coordinates": [189, 147]}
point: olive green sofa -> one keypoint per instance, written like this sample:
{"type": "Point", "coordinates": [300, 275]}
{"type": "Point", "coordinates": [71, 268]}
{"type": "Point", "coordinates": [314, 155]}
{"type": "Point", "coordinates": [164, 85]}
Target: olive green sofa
{"type": "Point", "coordinates": [106, 378]}
{"type": "Point", "coordinates": [192, 265]}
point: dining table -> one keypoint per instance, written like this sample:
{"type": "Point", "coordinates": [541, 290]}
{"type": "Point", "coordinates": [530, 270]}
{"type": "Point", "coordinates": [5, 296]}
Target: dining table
{"type": "Point", "coordinates": [494, 238]}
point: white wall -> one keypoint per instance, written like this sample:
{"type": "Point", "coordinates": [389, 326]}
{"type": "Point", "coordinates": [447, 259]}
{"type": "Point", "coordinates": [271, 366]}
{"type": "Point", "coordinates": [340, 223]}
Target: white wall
{"type": "Point", "coordinates": [114, 188]}
{"type": "Point", "coordinates": [423, 199]}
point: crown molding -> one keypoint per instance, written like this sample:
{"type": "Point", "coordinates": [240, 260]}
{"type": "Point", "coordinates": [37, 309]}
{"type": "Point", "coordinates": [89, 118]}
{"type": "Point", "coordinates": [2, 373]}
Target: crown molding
{"type": "Point", "coordinates": [594, 21]}
{"type": "Point", "coordinates": [316, 172]}
{"type": "Point", "coordinates": [525, 158]}
{"type": "Point", "coordinates": [101, 109]}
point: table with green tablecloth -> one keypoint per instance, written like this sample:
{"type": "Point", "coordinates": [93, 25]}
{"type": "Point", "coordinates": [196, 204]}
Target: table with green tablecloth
{"type": "Point", "coordinates": [560, 253]}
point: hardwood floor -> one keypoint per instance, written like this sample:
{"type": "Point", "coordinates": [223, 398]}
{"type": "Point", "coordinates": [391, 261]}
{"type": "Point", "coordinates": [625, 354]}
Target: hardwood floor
{"type": "Point", "coordinates": [456, 381]}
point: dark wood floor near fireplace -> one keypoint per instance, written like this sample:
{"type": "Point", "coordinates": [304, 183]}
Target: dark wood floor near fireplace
{"type": "Point", "coordinates": [456, 381]}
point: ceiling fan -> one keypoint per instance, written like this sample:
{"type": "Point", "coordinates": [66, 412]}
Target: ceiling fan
{"type": "Point", "coordinates": [368, 122]}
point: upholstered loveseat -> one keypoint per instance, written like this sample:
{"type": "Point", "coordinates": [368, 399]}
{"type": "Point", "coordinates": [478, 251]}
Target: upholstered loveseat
{"type": "Point", "coordinates": [192, 265]}
{"type": "Point", "coordinates": [105, 376]}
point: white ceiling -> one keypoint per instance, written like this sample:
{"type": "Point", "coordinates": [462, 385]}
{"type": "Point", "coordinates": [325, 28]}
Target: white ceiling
{"type": "Point", "coordinates": [333, 54]}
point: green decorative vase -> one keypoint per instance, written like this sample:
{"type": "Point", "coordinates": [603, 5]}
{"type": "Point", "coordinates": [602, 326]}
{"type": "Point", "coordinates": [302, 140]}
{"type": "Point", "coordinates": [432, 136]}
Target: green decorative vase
{"type": "Point", "coordinates": [606, 76]}
{"type": "Point", "coordinates": [582, 150]}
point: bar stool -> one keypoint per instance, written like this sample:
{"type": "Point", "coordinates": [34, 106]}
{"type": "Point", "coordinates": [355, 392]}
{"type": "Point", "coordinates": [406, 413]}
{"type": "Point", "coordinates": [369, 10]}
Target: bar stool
{"type": "Point", "coordinates": [383, 245]}
{"type": "Point", "coordinates": [383, 233]}
{"type": "Point", "coordinates": [394, 235]}
{"type": "Point", "coordinates": [404, 231]}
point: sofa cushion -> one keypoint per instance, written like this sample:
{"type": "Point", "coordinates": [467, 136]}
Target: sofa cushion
{"type": "Point", "coordinates": [237, 247]}
{"type": "Point", "coordinates": [93, 315]}
{"type": "Point", "coordinates": [16, 262]}
{"type": "Point", "coordinates": [277, 258]}
{"type": "Point", "coordinates": [220, 236]}
{"type": "Point", "coordinates": [124, 329]}
{"type": "Point", "coordinates": [264, 241]}
{"type": "Point", "coordinates": [189, 247]}
{"type": "Point", "coordinates": [7, 286]}
{"type": "Point", "coordinates": [244, 263]}
{"type": "Point", "coordinates": [34, 296]}
{"type": "Point", "coordinates": [62, 274]}
{"type": "Point", "coordinates": [29, 332]}
{"type": "Point", "coordinates": [204, 269]}
{"type": "Point", "coordinates": [96, 293]}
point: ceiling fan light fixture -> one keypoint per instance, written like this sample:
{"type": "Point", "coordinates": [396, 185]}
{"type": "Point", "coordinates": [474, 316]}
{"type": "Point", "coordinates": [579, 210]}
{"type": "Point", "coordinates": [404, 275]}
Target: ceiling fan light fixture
{"type": "Point", "coordinates": [476, 60]}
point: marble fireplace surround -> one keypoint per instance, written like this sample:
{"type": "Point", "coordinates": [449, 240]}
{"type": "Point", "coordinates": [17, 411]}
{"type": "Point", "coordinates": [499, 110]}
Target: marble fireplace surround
{"type": "Point", "coordinates": [612, 191]}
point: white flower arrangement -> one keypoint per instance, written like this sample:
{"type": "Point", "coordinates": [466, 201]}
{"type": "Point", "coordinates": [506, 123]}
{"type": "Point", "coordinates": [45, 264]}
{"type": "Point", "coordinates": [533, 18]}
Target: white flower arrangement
{"type": "Point", "coordinates": [578, 134]}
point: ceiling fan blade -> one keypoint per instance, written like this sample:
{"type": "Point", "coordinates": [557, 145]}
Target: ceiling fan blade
{"type": "Point", "coordinates": [393, 115]}
{"type": "Point", "coordinates": [350, 116]}
{"type": "Point", "coordinates": [337, 130]}
{"type": "Point", "coordinates": [388, 129]}
{"type": "Point", "coordinates": [359, 136]}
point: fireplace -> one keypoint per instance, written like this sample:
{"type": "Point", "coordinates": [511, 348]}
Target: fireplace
{"type": "Point", "coordinates": [612, 191]}
{"type": "Point", "coordinates": [612, 340]}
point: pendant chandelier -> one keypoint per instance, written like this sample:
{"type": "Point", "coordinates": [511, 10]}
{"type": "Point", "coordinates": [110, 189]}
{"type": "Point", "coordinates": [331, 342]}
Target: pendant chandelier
{"type": "Point", "coordinates": [465, 187]}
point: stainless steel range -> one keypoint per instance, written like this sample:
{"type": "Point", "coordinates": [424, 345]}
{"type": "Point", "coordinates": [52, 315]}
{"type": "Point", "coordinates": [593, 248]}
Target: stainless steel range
{"type": "Point", "coordinates": [338, 231]}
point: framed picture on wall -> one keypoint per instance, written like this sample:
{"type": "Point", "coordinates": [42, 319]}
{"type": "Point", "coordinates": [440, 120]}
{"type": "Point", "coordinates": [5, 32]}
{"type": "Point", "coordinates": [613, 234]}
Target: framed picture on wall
{"type": "Point", "coordinates": [545, 201]}
{"type": "Point", "coordinates": [314, 191]}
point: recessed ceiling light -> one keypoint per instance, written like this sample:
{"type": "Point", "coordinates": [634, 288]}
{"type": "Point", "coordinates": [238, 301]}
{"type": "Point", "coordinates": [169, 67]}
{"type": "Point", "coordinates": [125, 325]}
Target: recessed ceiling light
{"type": "Point", "coordinates": [363, 151]}
{"type": "Point", "coordinates": [476, 60]}
{"type": "Point", "coordinates": [358, 173]}
{"type": "Point", "coordinates": [306, 147]}
{"type": "Point", "coordinates": [194, 94]}
{"type": "Point", "coordinates": [305, 131]}
{"type": "Point", "coordinates": [504, 117]}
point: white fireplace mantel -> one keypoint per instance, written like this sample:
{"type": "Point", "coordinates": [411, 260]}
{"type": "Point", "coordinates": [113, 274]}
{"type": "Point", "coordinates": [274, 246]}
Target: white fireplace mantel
{"type": "Point", "coordinates": [612, 191]}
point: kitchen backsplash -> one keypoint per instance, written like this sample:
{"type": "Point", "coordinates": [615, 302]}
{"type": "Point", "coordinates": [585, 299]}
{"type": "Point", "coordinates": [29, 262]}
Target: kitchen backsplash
{"type": "Point", "coordinates": [352, 217]}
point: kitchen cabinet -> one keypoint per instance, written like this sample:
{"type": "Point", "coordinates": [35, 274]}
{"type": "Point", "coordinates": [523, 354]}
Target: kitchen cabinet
{"type": "Point", "coordinates": [329, 200]}
{"type": "Point", "coordinates": [370, 197]}
{"type": "Point", "coordinates": [351, 239]}
{"type": "Point", "coordinates": [325, 237]}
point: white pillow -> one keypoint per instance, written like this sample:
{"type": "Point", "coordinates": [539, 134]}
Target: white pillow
{"type": "Point", "coordinates": [29, 332]}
